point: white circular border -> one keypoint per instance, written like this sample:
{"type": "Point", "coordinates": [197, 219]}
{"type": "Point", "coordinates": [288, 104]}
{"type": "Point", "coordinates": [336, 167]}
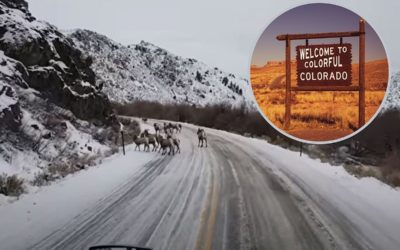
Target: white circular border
{"type": "Point", "coordinates": [377, 112]}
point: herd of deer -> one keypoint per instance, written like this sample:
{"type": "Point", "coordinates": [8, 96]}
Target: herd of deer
{"type": "Point", "coordinates": [165, 138]}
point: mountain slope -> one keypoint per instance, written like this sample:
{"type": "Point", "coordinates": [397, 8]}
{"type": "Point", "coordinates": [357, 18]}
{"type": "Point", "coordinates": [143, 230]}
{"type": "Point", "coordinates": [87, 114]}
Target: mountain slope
{"type": "Point", "coordinates": [393, 97]}
{"type": "Point", "coordinates": [47, 97]}
{"type": "Point", "coordinates": [147, 72]}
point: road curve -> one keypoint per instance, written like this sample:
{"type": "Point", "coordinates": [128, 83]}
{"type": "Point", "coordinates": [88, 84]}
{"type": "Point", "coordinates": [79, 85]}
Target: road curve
{"type": "Point", "coordinates": [224, 196]}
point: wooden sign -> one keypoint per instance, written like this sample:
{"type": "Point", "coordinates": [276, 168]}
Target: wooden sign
{"type": "Point", "coordinates": [324, 65]}
{"type": "Point", "coordinates": [309, 84]}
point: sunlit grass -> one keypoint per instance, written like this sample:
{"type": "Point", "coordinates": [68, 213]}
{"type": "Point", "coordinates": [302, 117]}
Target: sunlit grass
{"type": "Point", "coordinates": [318, 109]}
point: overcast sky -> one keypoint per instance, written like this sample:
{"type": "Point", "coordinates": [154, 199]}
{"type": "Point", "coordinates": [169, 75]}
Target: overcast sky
{"type": "Point", "coordinates": [315, 18]}
{"type": "Point", "coordinates": [220, 33]}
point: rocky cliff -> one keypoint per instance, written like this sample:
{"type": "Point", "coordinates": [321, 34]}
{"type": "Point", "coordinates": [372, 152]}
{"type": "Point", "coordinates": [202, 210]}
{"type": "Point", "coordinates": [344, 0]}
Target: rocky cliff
{"type": "Point", "coordinates": [50, 109]}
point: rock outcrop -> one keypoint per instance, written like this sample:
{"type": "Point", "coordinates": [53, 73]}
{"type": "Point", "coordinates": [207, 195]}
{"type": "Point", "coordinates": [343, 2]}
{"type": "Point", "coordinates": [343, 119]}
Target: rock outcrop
{"type": "Point", "coordinates": [51, 62]}
{"type": "Point", "coordinates": [51, 113]}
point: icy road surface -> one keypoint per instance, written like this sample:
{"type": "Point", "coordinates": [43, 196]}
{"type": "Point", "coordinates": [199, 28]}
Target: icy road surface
{"type": "Point", "coordinates": [238, 193]}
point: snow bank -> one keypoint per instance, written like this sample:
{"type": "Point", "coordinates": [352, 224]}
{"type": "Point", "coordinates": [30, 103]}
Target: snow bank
{"type": "Point", "coordinates": [66, 199]}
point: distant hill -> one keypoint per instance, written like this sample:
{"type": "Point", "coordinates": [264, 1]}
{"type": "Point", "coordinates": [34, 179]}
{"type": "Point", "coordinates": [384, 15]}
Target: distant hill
{"type": "Point", "coordinates": [146, 72]}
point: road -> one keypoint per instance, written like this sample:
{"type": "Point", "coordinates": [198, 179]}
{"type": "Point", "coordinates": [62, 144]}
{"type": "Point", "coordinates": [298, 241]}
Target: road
{"type": "Point", "coordinates": [225, 196]}
{"type": "Point", "coordinates": [277, 82]}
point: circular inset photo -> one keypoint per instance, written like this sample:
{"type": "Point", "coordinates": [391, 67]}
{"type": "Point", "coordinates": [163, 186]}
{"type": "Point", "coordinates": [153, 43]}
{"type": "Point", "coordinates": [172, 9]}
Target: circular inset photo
{"type": "Point", "coordinates": [319, 73]}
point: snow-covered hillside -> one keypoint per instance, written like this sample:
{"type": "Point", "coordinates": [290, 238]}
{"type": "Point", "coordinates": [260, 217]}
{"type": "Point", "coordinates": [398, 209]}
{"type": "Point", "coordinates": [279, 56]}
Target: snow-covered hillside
{"type": "Point", "coordinates": [147, 72]}
{"type": "Point", "coordinates": [47, 98]}
{"type": "Point", "coordinates": [393, 99]}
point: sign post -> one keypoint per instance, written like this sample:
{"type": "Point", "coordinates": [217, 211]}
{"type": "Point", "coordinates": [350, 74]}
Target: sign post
{"type": "Point", "coordinates": [123, 142]}
{"type": "Point", "coordinates": [325, 67]}
{"type": "Point", "coordinates": [288, 85]}
{"type": "Point", "coordinates": [361, 77]}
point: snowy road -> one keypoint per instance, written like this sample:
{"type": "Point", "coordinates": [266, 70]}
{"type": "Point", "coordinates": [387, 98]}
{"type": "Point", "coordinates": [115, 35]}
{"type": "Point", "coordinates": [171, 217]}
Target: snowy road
{"type": "Point", "coordinates": [238, 193]}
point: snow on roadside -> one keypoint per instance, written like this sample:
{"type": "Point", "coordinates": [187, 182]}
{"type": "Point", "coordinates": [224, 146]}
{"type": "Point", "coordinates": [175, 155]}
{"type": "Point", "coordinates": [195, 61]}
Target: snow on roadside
{"type": "Point", "coordinates": [393, 99]}
{"type": "Point", "coordinates": [368, 203]}
{"type": "Point", "coordinates": [66, 199]}
{"type": "Point", "coordinates": [25, 163]}
{"type": "Point", "coordinates": [147, 125]}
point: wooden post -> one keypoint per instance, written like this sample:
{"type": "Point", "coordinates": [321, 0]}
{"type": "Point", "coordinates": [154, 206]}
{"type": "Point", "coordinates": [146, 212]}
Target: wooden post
{"type": "Point", "coordinates": [123, 141]}
{"type": "Point", "coordinates": [361, 86]}
{"type": "Point", "coordinates": [301, 148]}
{"type": "Point", "coordinates": [361, 77]}
{"type": "Point", "coordinates": [288, 85]}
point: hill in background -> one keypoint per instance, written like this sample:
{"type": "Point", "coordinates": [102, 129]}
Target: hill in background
{"type": "Point", "coordinates": [145, 72]}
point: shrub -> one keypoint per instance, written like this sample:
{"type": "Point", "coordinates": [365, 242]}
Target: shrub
{"type": "Point", "coordinates": [131, 127]}
{"type": "Point", "coordinates": [391, 168]}
{"type": "Point", "coordinates": [11, 185]}
{"type": "Point", "coordinates": [43, 178]}
{"type": "Point", "coordinates": [220, 116]}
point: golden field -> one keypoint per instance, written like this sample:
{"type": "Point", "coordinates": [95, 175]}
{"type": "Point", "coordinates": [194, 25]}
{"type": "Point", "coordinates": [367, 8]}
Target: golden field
{"type": "Point", "coordinates": [329, 114]}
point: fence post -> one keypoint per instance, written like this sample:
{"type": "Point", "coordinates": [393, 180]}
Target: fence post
{"type": "Point", "coordinates": [123, 142]}
{"type": "Point", "coordinates": [301, 148]}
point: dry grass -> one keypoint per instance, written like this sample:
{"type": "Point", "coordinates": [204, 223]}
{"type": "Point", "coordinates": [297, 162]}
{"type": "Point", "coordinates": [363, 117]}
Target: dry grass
{"type": "Point", "coordinates": [11, 185]}
{"type": "Point", "coordinates": [331, 110]}
{"type": "Point", "coordinates": [391, 168]}
{"type": "Point", "coordinates": [388, 171]}
{"type": "Point", "coordinates": [318, 110]}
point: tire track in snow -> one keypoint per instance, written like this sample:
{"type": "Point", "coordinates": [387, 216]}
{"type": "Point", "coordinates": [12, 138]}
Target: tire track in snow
{"type": "Point", "coordinates": [220, 197]}
{"type": "Point", "coordinates": [81, 226]}
{"type": "Point", "coordinates": [158, 207]}
{"type": "Point", "coordinates": [267, 216]}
